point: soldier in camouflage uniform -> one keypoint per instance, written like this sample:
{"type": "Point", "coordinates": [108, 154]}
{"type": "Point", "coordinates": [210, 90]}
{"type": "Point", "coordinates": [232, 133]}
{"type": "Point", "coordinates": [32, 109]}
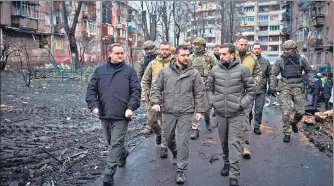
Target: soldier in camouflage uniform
{"type": "Point", "coordinates": [150, 55]}
{"type": "Point", "coordinates": [152, 70]}
{"type": "Point", "coordinates": [291, 65]}
{"type": "Point", "coordinates": [203, 62]}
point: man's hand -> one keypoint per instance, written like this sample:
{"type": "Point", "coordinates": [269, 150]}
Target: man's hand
{"type": "Point", "coordinates": [199, 116]}
{"type": "Point", "coordinates": [272, 92]}
{"type": "Point", "coordinates": [128, 114]}
{"type": "Point", "coordinates": [146, 100]}
{"type": "Point", "coordinates": [156, 108]}
{"type": "Point", "coordinates": [95, 112]}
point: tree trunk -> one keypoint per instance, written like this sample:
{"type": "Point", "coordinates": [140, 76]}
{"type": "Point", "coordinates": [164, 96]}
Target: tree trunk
{"type": "Point", "coordinates": [153, 30]}
{"type": "Point", "coordinates": [70, 31]}
{"type": "Point", "coordinates": [145, 28]}
{"type": "Point", "coordinates": [222, 15]}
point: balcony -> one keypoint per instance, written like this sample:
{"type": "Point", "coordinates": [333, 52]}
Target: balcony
{"type": "Point", "coordinates": [263, 23]}
{"type": "Point", "coordinates": [58, 28]}
{"type": "Point", "coordinates": [318, 20]}
{"type": "Point", "coordinates": [315, 43]}
{"type": "Point", "coordinates": [24, 22]}
{"type": "Point", "coordinates": [248, 33]}
{"type": "Point", "coordinates": [303, 5]}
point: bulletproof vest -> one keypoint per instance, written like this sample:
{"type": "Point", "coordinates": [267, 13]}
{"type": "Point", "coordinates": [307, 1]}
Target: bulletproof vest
{"type": "Point", "coordinates": [201, 65]}
{"type": "Point", "coordinates": [291, 68]}
{"type": "Point", "coordinates": [147, 60]}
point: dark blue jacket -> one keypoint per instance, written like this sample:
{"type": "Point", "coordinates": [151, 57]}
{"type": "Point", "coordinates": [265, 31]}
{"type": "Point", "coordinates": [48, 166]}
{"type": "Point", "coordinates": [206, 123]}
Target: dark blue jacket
{"type": "Point", "coordinates": [328, 88]}
{"type": "Point", "coordinates": [317, 85]}
{"type": "Point", "coordinates": [113, 89]}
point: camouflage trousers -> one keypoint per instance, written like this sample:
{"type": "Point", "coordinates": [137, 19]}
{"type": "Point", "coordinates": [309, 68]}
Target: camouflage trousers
{"type": "Point", "coordinates": [155, 124]}
{"type": "Point", "coordinates": [195, 122]}
{"type": "Point", "coordinates": [295, 95]}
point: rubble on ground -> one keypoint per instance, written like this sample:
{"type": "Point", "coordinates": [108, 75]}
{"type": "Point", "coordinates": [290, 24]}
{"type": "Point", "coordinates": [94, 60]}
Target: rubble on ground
{"type": "Point", "coordinates": [319, 130]}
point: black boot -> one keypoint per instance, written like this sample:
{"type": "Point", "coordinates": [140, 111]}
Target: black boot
{"type": "Point", "coordinates": [286, 138]}
{"type": "Point", "coordinates": [163, 153]}
{"type": "Point", "coordinates": [108, 180]}
{"type": "Point", "coordinates": [194, 134]}
{"type": "Point", "coordinates": [234, 182]}
{"type": "Point", "coordinates": [226, 169]}
{"type": "Point", "coordinates": [158, 140]}
{"type": "Point", "coordinates": [208, 125]}
{"type": "Point", "coordinates": [257, 131]}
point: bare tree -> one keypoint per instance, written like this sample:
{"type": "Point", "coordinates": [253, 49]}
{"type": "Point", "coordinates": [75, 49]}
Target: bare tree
{"type": "Point", "coordinates": [181, 18]}
{"type": "Point", "coordinates": [8, 49]}
{"type": "Point", "coordinates": [166, 18]}
{"type": "Point", "coordinates": [70, 31]}
{"type": "Point", "coordinates": [150, 17]}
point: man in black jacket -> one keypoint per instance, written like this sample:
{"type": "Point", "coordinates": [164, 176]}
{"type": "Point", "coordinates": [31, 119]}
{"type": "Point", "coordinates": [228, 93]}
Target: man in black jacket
{"type": "Point", "coordinates": [231, 89]}
{"type": "Point", "coordinates": [113, 94]}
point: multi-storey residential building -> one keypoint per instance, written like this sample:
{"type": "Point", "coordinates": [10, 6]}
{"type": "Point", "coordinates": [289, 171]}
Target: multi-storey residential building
{"type": "Point", "coordinates": [204, 23]}
{"type": "Point", "coordinates": [260, 22]}
{"type": "Point", "coordinates": [37, 24]}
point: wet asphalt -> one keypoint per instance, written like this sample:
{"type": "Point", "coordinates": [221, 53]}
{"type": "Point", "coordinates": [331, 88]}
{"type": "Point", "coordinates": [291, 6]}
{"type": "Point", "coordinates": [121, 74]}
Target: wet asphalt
{"type": "Point", "coordinates": [273, 163]}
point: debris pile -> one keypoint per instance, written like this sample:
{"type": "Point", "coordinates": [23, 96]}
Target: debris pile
{"type": "Point", "coordinates": [319, 130]}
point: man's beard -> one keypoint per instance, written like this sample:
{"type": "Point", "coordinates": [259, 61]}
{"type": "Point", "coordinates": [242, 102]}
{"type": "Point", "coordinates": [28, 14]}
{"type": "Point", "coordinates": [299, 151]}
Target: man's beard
{"type": "Point", "coordinates": [164, 57]}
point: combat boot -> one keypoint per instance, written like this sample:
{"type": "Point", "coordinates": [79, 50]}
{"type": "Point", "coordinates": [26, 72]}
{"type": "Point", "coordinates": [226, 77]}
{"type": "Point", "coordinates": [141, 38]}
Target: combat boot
{"type": "Point", "coordinates": [286, 138]}
{"type": "Point", "coordinates": [180, 178]}
{"type": "Point", "coordinates": [208, 125]}
{"type": "Point", "coordinates": [234, 182]}
{"type": "Point", "coordinates": [257, 131]}
{"type": "Point", "coordinates": [122, 161]}
{"type": "Point", "coordinates": [194, 134]}
{"type": "Point", "coordinates": [108, 180]}
{"type": "Point", "coordinates": [163, 153]}
{"type": "Point", "coordinates": [294, 126]}
{"type": "Point", "coordinates": [158, 140]}
{"type": "Point", "coordinates": [225, 171]}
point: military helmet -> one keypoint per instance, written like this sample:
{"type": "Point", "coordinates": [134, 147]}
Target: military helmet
{"type": "Point", "coordinates": [148, 44]}
{"type": "Point", "coordinates": [200, 40]}
{"type": "Point", "coordinates": [289, 44]}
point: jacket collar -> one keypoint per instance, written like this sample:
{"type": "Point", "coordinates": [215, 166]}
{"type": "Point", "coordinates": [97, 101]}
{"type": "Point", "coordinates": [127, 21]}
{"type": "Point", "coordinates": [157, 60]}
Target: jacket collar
{"type": "Point", "coordinates": [232, 64]}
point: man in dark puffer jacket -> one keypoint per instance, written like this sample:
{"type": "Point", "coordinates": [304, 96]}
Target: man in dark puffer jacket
{"type": "Point", "coordinates": [231, 90]}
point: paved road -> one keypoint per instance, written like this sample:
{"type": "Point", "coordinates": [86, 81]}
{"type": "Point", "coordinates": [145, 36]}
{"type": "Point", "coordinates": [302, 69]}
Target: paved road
{"type": "Point", "coordinates": [273, 162]}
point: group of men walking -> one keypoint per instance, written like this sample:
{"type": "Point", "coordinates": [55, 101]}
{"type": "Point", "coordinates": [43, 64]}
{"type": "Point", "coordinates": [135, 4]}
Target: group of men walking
{"type": "Point", "coordinates": [181, 89]}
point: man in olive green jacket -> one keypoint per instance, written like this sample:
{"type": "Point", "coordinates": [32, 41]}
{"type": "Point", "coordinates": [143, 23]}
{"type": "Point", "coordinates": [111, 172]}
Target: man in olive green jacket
{"type": "Point", "coordinates": [180, 91]}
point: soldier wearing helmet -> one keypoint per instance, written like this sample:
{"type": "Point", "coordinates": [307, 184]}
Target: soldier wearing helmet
{"type": "Point", "coordinates": [150, 55]}
{"type": "Point", "coordinates": [203, 62]}
{"type": "Point", "coordinates": [291, 66]}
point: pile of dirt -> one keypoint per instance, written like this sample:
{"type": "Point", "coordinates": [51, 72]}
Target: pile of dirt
{"type": "Point", "coordinates": [49, 137]}
{"type": "Point", "coordinates": [318, 128]}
